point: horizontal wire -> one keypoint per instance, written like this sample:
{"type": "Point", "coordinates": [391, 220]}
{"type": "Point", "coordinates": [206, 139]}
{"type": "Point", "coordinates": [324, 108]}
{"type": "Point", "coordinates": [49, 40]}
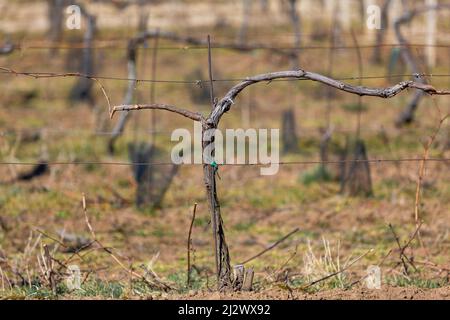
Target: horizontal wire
{"type": "Point", "coordinates": [118, 163]}
{"type": "Point", "coordinates": [15, 132]}
{"type": "Point", "coordinates": [200, 81]}
{"type": "Point", "coordinates": [248, 47]}
{"type": "Point", "coordinates": [76, 131]}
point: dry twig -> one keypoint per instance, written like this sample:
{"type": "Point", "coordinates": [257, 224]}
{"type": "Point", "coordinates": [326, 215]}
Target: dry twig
{"type": "Point", "coordinates": [189, 244]}
{"type": "Point", "coordinates": [273, 245]}
{"type": "Point", "coordinates": [152, 282]}
{"type": "Point", "coordinates": [335, 273]}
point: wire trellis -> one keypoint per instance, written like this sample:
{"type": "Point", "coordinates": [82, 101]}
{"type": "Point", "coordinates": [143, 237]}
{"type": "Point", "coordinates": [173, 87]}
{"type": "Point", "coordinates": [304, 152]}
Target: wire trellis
{"type": "Point", "coordinates": [200, 82]}
{"type": "Point", "coordinates": [307, 162]}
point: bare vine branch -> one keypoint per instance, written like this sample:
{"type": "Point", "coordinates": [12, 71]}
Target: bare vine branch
{"type": "Point", "coordinates": [225, 103]}
{"type": "Point", "coordinates": [158, 106]}
{"type": "Point", "coordinates": [388, 92]}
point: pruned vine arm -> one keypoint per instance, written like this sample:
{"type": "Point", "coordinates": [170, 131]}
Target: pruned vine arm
{"type": "Point", "coordinates": [225, 103]}
{"type": "Point", "coordinates": [158, 106]}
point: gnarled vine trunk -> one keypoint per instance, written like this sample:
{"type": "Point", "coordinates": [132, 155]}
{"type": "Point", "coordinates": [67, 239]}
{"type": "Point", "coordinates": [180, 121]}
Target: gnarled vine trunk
{"type": "Point", "coordinates": [223, 267]}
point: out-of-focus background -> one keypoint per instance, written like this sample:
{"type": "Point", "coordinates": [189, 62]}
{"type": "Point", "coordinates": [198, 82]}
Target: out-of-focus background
{"type": "Point", "coordinates": [57, 142]}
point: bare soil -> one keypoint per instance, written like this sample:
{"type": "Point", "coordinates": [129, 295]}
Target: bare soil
{"type": "Point", "coordinates": [386, 293]}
